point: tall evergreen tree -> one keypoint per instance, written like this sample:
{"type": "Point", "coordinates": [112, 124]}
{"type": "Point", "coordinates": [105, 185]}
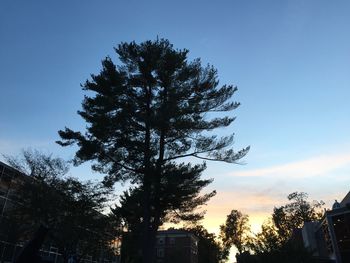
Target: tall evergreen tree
{"type": "Point", "coordinates": [145, 114]}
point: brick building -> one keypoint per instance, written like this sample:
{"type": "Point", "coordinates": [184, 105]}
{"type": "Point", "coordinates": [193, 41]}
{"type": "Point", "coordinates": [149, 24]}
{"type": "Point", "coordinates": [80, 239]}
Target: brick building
{"type": "Point", "coordinates": [172, 246]}
{"type": "Point", "coordinates": [176, 246]}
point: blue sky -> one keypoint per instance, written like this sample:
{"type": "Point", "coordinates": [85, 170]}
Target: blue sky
{"type": "Point", "coordinates": [289, 59]}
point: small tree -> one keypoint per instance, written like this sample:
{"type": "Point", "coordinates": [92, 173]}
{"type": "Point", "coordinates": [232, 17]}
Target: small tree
{"type": "Point", "coordinates": [267, 240]}
{"type": "Point", "coordinates": [235, 231]}
{"type": "Point", "coordinates": [209, 248]}
{"type": "Point", "coordinates": [142, 116]}
{"type": "Point", "coordinates": [294, 214]}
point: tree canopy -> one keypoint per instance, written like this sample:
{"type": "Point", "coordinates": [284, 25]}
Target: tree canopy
{"type": "Point", "coordinates": [146, 114]}
{"type": "Point", "coordinates": [210, 250]}
{"type": "Point", "coordinates": [235, 231]}
{"type": "Point", "coordinates": [278, 239]}
{"type": "Point", "coordinates": [71, 209]}
{"type": "Point", "coordinates": [293, 215]}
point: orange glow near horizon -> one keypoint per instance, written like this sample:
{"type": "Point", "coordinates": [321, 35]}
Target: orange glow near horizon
{"type": "Point", "coordinates": [257, 207]}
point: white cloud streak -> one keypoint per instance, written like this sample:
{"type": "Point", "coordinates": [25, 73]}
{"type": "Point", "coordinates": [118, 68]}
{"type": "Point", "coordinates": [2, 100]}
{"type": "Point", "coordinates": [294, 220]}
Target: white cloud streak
{"type": "Point", "coordinates": [315, 166]}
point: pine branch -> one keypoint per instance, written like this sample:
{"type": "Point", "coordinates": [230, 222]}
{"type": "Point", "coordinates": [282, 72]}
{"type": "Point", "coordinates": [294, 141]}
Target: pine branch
{"type": "Point", "coordinates": [120, 164]}
{"type": "Point", "coordinates": [217, 160]}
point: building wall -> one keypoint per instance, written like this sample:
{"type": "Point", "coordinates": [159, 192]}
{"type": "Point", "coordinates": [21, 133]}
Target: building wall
{"type": "Point", "coordinates": [332, 233]}
{"type": "Point", "coordinates": [309, 237]}
{"type": "Point", "coordinates": [10, 180]}
{"type": "Point", "coordinates": [340, 228]}
{"type": "Point", "coordinates": [8, 198]}
{"type": "Point", "coordinates": [176, 246]}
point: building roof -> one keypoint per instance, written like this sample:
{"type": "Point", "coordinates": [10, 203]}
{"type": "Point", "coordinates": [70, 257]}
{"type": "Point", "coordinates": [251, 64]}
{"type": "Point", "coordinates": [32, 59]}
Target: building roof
{"type": "Point", "coordinates": [176, 233]}
{"type": "Point", "coordinates": [346, 200]}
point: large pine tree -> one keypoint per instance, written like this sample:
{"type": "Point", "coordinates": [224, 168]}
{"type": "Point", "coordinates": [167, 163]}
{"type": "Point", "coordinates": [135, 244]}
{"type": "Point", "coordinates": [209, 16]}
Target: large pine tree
{"type": "Point", "coordinates": [143, 116]}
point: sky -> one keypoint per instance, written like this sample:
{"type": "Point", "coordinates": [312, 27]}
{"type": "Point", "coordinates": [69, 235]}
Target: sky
{"type": "Point", "coordinates": [289, 59]}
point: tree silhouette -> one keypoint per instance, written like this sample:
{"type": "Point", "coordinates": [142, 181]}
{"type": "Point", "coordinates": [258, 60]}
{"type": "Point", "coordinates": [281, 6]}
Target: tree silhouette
{"type": "Point", "coordinates": [235, 231]}
{"type": "Point", "coordinates": [143, 116]}
{"type": "Point", "coordinates": [275, 242]}
{"type": "Point", "coordinates": [209, 249]}
{"type": "Point", "coordinates": [293, 215]}
{"type": "Point", "coordinates": [71, 209]}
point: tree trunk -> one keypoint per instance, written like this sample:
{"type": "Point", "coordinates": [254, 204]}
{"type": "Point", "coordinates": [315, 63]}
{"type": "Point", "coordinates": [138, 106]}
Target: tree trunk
{"type": "Point", "coordinates": [147, 249]}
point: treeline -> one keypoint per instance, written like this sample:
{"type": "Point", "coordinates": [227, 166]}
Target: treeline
{"type": "Point", "coordinates": [80, 218]}
{"type": "Point", "coordinates": [278, 241]}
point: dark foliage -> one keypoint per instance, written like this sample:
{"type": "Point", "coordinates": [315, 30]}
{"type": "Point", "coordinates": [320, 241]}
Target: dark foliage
{"type": "Point", "coordinates": [280, 239]}
{"type": "Point", "coordinates": [209, 249]}
{"type": "Point", "coordinates": [71, 209]}
{"type": "Point", "coordinates": [293, 215]}
{"type": "Point", "coordinates": [235, 231]}
{"type": "Point", "coordinates": [146, 113]}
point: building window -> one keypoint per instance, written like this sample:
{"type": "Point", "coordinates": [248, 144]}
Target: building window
{"type": "Point", "coordinates": [172, 241]}
{"type": "Point", "coordinates": [3, 191]}
{"type": "Point", "coordinates": [2, 204]}
{"type": "Point", "coordinates": [161, 240]}
{"type": "Point", "coordinates": [160, 252]}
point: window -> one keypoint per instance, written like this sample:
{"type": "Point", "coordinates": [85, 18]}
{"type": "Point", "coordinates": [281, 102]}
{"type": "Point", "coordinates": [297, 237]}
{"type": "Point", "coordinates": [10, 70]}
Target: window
{"type": "Point", "coordinates": [172, 241]}
{"type": "Point", "coordinates": [160, 252]}
{"type": "Point", "coordinates": [2, 205]}
{"type": "Point", "coordinates": [3, 191]}
{"type": "Point", "coordinates": [161, 240]}
{"type": "Point", "coordinates": [53, 249]}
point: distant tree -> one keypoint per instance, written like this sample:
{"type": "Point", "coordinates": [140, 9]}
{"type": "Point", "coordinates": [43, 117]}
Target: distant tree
{"type": "Point", "coordinates": [293, 215]}
{"type": "Point", "coordinates": [278, 240]}
{"type": "Point", "coordinates": [269, 247]}
{"type": "Point", "coordinates": [210, 249]}
{"type": "Point", "coordinates": [142, 116]}
{"type": "Point", "coordinates": [266, 241]}
{"type": "Point", "coordinates": [235, 231]}
{"type": "Point", "coordinates": [70, 208]}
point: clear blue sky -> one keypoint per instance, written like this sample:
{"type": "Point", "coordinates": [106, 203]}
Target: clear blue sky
{"type": "Point", "coordinates": [289, 59]}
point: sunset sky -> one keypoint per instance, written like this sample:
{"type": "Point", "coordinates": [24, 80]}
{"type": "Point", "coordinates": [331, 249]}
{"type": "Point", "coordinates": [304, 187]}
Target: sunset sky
{"type": "Point", "coordinates": [289, 59]}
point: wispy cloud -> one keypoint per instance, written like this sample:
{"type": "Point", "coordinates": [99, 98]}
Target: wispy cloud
{"type": "Point", "coordinates": [305, 168]}
{"type": "Point", "coordinates": [13, 147]}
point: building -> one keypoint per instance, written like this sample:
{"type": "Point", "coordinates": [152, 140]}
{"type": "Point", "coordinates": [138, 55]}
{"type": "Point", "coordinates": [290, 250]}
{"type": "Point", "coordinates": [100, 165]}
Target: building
{"type": "Point", "coordinates": [176, 246]}
{"type": "Point", "coordinates": [9, 178]}
{"type": "Point", "coordinates": [172, 246]}
{"type": "Point", "coordinates": [329, 239]}
{"type": "Point", "coordinates": [11, 245]}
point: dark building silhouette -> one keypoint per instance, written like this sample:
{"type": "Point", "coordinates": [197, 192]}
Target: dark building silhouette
{"type": "Point", "coordinates": [176, 246]}
{"type": "Point", "coordinates": [329, 239]}
{"type": "Point", "coordinates": [9, 179]}
{"type": "Point", "coordinates": [172, 246]}
{"type": "Point", "coordinates": [10, 248]}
